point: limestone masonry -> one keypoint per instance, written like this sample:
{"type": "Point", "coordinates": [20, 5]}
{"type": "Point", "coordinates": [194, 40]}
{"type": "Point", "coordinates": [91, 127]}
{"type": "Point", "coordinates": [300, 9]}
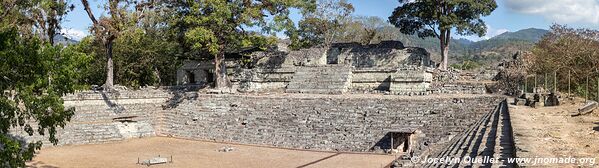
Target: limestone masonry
{"type": "Point", "coordinates": [356, 123]}
{"type": "Point", "coordinates": [377, 98]}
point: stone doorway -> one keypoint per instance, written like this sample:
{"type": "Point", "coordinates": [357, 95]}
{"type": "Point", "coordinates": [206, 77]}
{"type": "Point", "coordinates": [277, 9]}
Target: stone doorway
{"type": "Point", "coordinates": [191, 78]}
{"type": "Point", "coordinates": [401, 141]}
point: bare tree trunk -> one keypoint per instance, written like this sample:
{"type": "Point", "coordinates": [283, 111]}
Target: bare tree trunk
{"type": "Point", "coordinates": [444, 53]}
{"type": "Point", "coordinates": [446, 50]}
{"type": "Point", "coordinates": [220, 70]}
{"type": "Point", "coordinates": [109, 66]}
{"type": "Point", "coordinates": [444, 41]}
{"type": "Point", "coordinates": [443, 65]}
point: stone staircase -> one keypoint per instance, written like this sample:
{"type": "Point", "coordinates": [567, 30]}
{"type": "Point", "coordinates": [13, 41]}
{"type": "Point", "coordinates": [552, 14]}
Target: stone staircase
{"type": "Point", "coordinates": [490, 137]}
{"type": "Point", "coordinates": [330, 79]}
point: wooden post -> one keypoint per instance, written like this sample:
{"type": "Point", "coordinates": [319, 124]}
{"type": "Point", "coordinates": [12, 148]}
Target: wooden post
{"type": "Point", "coordinates": [533, 87]}
{"type": "Point", "coordinates": [586, 94]}
{"type": "Point", "coordinates": [525, 84]}
{"type": "Point", "coordinates": [569, 81]}
{"type": "Point", "coordinates": [545, 86]}
{"type": "Point", "coordinates": [555, 82]}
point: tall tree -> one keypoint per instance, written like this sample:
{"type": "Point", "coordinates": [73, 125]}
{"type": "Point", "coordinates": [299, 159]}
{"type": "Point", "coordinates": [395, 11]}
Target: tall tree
{"type": "Point", "coordinates": [36, 17]}
{"type": "Point", "coordinates": [28, 98]}
{"type": "Point", "coordinates": [437, 18]}
{"type": "Point", "coordinates": [324, 25]}
{"type": "Point", "coordinates": [216, 25]}
{"type": "Point", "coordinates": [48, 15]}
{"type": "Point", "coordinates": [107, 29]}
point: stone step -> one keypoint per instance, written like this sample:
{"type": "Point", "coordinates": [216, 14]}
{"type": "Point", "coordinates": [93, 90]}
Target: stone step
{"type": "Point", "coordinates": [321, 80]}
{"type": "Point", "coordinates": [490, 136]}
{"type": "Point", "coordinates": [457, 144]}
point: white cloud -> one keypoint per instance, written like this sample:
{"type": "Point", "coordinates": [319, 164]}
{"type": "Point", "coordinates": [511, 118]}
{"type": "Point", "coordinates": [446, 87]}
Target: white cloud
{"type": "Point", "coordinates": [491, 32]}
{"type": "Point", "coordinates": [73, 33]}
{"type": "Point", "coordinates": [560, 11]}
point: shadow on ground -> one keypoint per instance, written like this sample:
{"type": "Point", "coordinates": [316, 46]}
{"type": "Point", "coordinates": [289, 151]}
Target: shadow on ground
{"type": "Point", "coordinates": [40, 165]}
{"type": "Point", "coordinates": [319, 160]}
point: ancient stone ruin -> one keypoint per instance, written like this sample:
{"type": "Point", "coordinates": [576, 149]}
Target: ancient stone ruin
{"type": "Point", "coordinates": [379, 98]}
{"type": "Point", "coordinates": [340, 68]}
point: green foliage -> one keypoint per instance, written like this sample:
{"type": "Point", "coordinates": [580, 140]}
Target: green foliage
{"type": "Point", "coordinates": [566, 50]}
{"type": "Point", "coordinates": [33, 77]}
{"type": "Point", "coordinates": [433, 18]}
{"type": "Point", "coordinates": [95, 72]}
{"type": "Point", "coordinates": [258, 40]}
{"type": "Point", "coordinates": [426, 18]}
{"type": "Point", "coordinates": [324, 25]}
{"type": "Point", "coordinates": [141, 58]}
{"type": "Point", "coordinates": [39, 18]}
{"type": "Point", "coordinates": [215, 25]}
{"type": "Point", "coordinates": [144, 59]}
{"type": "Point", "coordinates": [466, 65]}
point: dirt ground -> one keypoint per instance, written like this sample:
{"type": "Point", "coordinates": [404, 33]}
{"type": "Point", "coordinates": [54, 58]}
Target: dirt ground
{"type": "Point", "coordinates": [552, 132]}
{"type": "Point", "coordinates": [188, 153]}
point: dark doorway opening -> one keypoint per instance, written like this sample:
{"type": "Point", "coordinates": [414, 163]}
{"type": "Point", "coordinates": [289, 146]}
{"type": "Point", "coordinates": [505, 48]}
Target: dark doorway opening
{"type": "Point", "coordinates": [209, 77]}
{"type": "Point", "coordinates": [191, 78]}
{"type": "Point", "coordinates": [333, 56]}
{"type": "Point", "coordinates": [400, 141]}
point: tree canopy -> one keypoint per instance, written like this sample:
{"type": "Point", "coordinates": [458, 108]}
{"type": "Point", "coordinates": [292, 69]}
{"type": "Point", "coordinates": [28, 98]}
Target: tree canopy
{"type": "Point", "coordinates": [324, 25]}
{"type": "Point", "coordinates": [570, 53]}
{"type": "Point", "coordinates": [438, 18]}
{"type": "Point", "coordinates": [33, 78]}
{"type": "Point", "coordinates": [214, 26]}
{"type": "Point", "coordinates": [34, 75]}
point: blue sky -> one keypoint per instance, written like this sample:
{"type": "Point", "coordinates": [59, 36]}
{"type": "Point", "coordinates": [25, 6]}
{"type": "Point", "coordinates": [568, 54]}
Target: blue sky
{"type": "Point", "coordinates": [511, 15]}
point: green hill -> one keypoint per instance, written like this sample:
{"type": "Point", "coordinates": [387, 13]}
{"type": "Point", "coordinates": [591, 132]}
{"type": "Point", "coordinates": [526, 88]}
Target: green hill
{"type": "Point", "coordinates": [531, 34]}
{"type": "Point", "coordinates": [485, 51]}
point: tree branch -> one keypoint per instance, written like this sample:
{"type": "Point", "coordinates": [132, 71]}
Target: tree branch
{"type": "Point", "coordinates": [89, 12]}
{"type": "Point", "coordinates": [434, 31]}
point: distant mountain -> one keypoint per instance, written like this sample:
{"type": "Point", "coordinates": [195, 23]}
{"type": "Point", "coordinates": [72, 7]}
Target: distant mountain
{"type": "Point", "coordinates": [59, 39]}
{"type": "Point", "coordinates": [485, 51]}
{"type": "Point", "coordinates": [463, 41]}
{"type": "Point", "coordinates": [531, 34]}
{"type": "Point", "coordinates": [501, 46]}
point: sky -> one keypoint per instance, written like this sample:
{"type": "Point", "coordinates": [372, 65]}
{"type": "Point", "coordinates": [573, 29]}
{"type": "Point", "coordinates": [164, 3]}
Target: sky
{"type": "Point", "coordinates": [510, 15]}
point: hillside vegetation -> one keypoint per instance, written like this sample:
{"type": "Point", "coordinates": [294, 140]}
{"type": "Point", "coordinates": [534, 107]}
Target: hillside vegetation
{"type": "Point", "coordinates": [484, 52]}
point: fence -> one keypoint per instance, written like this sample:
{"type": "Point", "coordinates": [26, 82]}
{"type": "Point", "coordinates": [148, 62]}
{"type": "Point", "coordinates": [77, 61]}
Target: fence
{"type": "Point", "coordinates": [583, 85]}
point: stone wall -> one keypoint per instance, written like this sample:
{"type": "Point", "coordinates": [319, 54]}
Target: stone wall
{"type": "Point", "coordinates": [305, 121]}
{"type": "Point", "coordinates": [323, 122]}
{"type": "Point", "coordinates": [406, 80]}
{"type": "Point", "coordinates": [108, 117]}
{"type": "Point", "coordinates": [332, 79]}
{"type": "Point", "coordinates": [460, 88]}
{"type": "Point", "coordinates": [491, 137]}
{"type": "Point", "coordinates": [263, 80]}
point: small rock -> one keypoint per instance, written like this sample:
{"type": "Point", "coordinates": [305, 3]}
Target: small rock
{"type": "Point", "coordinates": [226, 149]}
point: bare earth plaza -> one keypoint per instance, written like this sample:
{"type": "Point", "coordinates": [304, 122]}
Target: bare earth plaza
{"type": "Point", "coordinates": [298, 83]}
